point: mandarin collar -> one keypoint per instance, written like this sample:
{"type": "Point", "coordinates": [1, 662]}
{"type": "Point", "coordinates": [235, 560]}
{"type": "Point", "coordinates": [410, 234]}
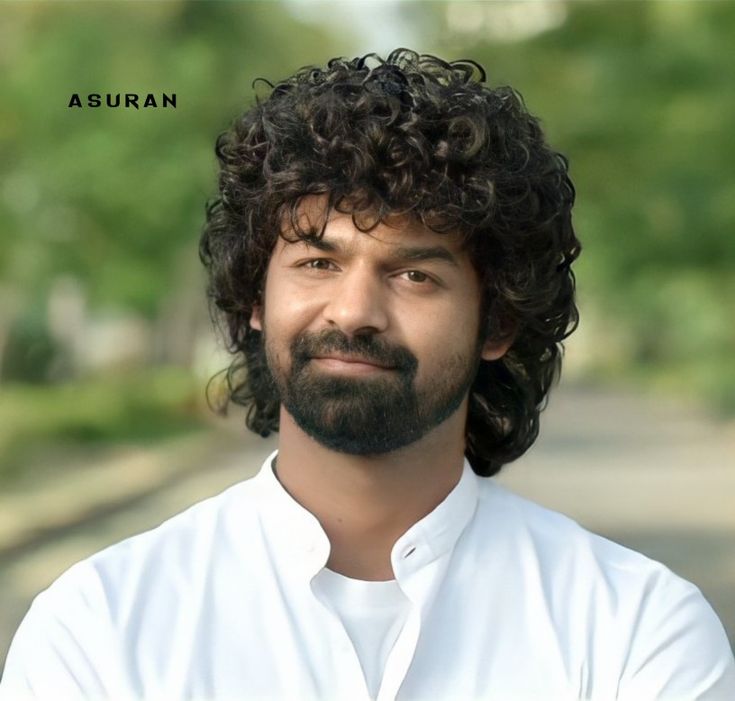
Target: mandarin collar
{"type": "Point", "coordinates": [299, 539]}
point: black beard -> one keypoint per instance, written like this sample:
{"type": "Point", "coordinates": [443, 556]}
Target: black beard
{"type": "Point", "coordinates": [367, 415]}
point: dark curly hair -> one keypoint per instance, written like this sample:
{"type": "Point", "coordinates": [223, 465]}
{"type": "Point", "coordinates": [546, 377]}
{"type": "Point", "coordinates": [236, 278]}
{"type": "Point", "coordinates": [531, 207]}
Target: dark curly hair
{"type": "Point", "coordinates": [413, 135]}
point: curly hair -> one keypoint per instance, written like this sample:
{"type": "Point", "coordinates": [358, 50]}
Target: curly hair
{"type": "Point", "coordinates": [417, 136]}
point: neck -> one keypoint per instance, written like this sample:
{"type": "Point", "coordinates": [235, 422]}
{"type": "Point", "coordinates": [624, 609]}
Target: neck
{"type": "Point", "coordinates": [364, 504]}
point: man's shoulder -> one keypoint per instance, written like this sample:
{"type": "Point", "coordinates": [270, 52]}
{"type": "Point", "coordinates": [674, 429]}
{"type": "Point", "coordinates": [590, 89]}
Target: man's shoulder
{"type": "Point", "coordinates": [180, 544]}
{"type": "Point", "coordinates": [649, 632]}
{"type": "Point", "coordinates": [562, 548]}
{"type": "Point", "coordinates": [136, 590]}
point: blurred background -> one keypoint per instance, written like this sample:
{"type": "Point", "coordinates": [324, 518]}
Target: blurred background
{"type": "Point", "coordinates": [105, 341]}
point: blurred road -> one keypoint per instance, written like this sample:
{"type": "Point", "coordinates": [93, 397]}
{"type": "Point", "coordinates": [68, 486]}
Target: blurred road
{"type": "Point", "coordinates": [658, 477]}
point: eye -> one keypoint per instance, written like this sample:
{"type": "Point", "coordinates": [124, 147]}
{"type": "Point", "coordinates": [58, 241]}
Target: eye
{"type": "Point", "coordinates": [417, 276]}
{"type": "Point", "coordinates": [317, 264]}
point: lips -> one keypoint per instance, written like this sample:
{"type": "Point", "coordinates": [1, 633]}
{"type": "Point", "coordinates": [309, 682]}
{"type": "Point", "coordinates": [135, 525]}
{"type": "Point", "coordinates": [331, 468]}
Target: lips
{"type": "Point", "coordinates": [351, 360]}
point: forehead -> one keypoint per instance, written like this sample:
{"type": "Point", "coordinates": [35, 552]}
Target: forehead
{"type": "Point", "coordinates": [314, 220]}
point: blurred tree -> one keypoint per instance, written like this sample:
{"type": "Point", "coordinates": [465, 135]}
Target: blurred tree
{"type": "Point", "coordinates": [641, 97]}
{"type": "Point", "coordinates": [111, 196]}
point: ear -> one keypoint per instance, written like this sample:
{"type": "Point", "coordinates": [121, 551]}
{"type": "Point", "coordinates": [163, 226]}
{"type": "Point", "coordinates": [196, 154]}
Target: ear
{"type": "Point", "coordinates": [497, 348]}
{"type": "Point", "coordinates": [256, 321]}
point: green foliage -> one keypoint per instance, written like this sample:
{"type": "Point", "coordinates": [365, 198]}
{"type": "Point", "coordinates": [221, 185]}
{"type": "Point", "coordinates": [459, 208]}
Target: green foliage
{"type": "Point", "coordinates": [30, 351]}
{"type": "Point", "coordinates": [640, 96]}
{"type": "Point", "coordinates": [107, 195]}
{"type": "Point", "coordinates": [133, 407]}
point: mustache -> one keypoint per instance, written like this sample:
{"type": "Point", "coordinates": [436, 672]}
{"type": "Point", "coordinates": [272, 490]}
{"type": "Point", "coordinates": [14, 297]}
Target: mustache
{"type": "Point", "coordinates": [308, 345]}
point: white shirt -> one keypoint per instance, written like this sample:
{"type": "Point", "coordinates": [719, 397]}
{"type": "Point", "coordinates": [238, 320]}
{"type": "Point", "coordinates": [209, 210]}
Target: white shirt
{"type": "Point", "coordinates": [508, 601]}
{"type": "Point", "coordinates": [373, 614]}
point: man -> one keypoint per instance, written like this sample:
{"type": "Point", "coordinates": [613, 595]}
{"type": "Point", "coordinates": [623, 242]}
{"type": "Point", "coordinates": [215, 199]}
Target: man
{"type": "Point", "coordinates": [390, 252]}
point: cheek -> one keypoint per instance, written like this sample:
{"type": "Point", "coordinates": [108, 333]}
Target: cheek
{"type": "Point", "coordinates": [287, 314]}
{"type": "Point", "coordinates": [441, 339]}
{"type": "Point", "coordinates": [453, 324]}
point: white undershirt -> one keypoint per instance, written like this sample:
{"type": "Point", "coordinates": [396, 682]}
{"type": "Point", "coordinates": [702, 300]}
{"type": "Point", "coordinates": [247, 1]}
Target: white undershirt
{"type": "Point", "coordinates": [373, 614]}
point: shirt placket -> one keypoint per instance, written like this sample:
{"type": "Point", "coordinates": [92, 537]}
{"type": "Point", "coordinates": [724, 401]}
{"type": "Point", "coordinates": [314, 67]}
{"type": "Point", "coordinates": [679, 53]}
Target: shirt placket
{"type": "Point", "coordinates": [419, 572]}
{"type": "Point", "coordinates": [401, 656]}
{"type": "Point", "coordinates": [351, 683]}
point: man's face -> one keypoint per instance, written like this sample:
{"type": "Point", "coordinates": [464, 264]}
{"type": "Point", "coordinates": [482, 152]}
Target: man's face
{"type": "Point", "coordinates": [372, 339]}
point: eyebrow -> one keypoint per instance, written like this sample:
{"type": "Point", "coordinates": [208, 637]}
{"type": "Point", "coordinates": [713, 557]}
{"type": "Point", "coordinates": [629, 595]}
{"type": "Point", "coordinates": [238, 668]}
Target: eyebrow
{"type": "Point", "coordinates": [406, 253]}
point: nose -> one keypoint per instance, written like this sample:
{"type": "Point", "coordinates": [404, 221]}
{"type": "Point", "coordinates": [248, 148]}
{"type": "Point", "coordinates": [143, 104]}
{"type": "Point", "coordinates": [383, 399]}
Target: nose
{"type": "Point", "coordinates": [357, 304]}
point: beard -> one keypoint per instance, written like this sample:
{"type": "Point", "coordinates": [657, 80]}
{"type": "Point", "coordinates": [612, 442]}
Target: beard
{"type": "Point", "coordinates": [369, 414]}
